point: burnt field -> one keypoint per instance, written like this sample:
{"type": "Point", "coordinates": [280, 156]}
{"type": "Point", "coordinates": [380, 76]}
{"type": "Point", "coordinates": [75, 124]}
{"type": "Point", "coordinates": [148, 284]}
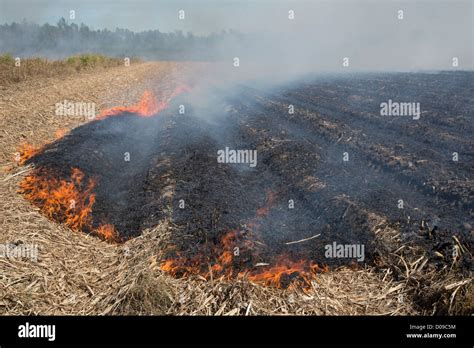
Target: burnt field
{"type": "Point", "coordinates": [333, 170]}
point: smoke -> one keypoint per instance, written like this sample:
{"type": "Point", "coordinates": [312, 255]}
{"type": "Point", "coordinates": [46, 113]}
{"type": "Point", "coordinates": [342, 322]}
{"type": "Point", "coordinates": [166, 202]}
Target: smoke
{"type": "Point", "coordinates": [279, 38]}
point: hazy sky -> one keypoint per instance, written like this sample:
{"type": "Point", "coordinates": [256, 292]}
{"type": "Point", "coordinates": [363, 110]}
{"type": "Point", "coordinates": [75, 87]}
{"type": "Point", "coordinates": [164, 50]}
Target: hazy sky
{"type": "Point", "coordinates": [431, 33]}
{"type": "Point", "coordinates": [204, 16]}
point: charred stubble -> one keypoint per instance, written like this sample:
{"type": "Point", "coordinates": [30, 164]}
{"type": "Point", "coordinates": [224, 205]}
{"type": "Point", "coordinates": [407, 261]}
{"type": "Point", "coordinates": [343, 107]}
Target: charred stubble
{"type": "Point", "coordinates": [172, 172]}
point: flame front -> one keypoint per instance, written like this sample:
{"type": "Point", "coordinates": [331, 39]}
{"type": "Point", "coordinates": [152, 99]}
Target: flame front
{"type": "Point", "coordinates": [66, 201]}
{"type": "Point", "coordinates": [222, 260]}
{"type": "Point", "coordinates": [239, 254]}
{"type": "Point", "coordinates": [148, 106]}
{"type": "Point", "coordinates": [27, 151]}
{"type": "Point", "coordinates": [60, 133]}
{"type": "Point", "coordinates": [107, 232]}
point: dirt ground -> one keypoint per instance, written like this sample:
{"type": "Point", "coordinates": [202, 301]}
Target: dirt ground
{"type": "Point", "coordinates": [79, 274]}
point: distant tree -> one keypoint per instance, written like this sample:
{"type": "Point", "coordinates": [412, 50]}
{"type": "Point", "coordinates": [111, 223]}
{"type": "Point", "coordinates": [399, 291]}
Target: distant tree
{"type": "Point", "coordinates": [65, 39]}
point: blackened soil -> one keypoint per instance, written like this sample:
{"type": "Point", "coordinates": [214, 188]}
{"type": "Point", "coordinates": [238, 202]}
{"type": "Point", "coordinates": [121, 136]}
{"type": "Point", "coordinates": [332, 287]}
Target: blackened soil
{"type": "Point", "coordinates": [173, 170]}
{"type": "Point", "coordinates": [116, 152]}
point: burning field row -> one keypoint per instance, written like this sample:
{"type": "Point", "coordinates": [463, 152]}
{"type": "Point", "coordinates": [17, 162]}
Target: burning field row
{"type": "Point", "coordinates": [110, 201]}
{"type": "Point", "coordinates": [66, 194]}
{"type": "Point", "coordinates": [320, 191]}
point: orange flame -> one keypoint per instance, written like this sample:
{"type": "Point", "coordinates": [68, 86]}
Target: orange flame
{"type": "Point", "coordinates": [69, 202]}
{"type": "Point", "coordinates": [286, 271]}
{"type": "Point", "coordinates": [107, 232]}
{"type": "Point", "coordinates": [219, 261]}
{"type": "Point", "coordinates": [148, 105]}
{"type": "Point", "coordinates": [27, 151]}
{"type": "Point", "coordinates": [60, 133]}
{"type": "Point", "coordinates": [223, 259]}
{"type": "Point", "coordinates": [65, 201]}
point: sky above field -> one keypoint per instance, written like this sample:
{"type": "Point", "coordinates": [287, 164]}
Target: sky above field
{"type": "Point", "coordinates": [205, 16]}
{"type": "Point", "coordinates": [434, 30]}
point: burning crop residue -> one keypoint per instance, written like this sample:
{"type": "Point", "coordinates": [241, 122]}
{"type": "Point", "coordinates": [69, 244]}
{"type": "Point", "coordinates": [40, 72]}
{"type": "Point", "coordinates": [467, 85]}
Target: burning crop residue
{"type": "Point", "coordinates": [148, 105]}
{"type": "Point", "coordinates": [26, 151]}
{"type": "Point", "coordinates": [69, 196]}
{"type": "Point", "coordinates": [67, 201]}
{"type": "Point", "coordinates": [82, 181]}
{"type": "Point", "coordinates": [240, 254]}
{"type": "Point", "coordinates": [107, 232]}
{"type": "Point", "coordinates": [237, 255]}
{"type": "Point", "coordinates": [61, 132]}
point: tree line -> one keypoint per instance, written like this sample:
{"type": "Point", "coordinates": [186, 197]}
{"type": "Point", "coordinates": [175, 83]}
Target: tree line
{"type": "Point", "coordinates": [65, 39]}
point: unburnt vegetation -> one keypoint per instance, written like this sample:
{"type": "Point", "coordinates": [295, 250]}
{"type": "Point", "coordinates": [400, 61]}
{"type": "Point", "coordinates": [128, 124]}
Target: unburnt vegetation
{"type": "Point", "coordinates": [13, 70]}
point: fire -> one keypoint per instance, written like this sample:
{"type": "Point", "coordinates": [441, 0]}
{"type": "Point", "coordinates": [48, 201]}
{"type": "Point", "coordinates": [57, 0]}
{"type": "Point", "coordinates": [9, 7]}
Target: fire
{"type": "Point", "coordinates": [223, 260]}
{"type": "Point", "coordinates": [274, 275]}
{"type": "Point", "coordinates": [27, 151]}
{"type": "Point", "coordinates": [147, 106]}
{"type": "Point", "coordinates": [70, 199]}
{"type": "Point", "coordinates": [60, 133]}
{"type": "Point", "coordinates": [286, 271]}
{"type": "Point", "coordinates": [66, 201]}
{"type": "Point", "coordinates": [213, 259]}
{"type": "Point", "coordinates": [107, 232]}
{"type": "Point", "coordinates": [239, 254]}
